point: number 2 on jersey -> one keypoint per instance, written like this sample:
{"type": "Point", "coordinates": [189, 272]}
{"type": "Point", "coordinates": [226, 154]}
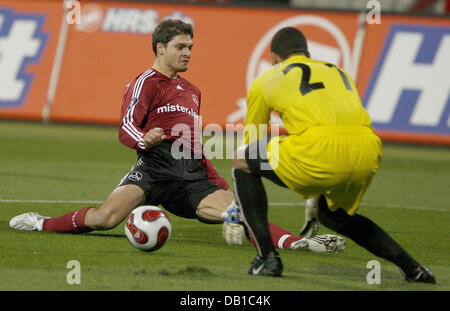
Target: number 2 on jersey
{"type": "Point", "coordinates": [306, 87]}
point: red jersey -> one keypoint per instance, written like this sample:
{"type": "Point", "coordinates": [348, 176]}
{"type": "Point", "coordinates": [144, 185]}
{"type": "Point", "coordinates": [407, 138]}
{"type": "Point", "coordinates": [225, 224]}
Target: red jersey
{"type": "Point", "coordinates": [155, 100]}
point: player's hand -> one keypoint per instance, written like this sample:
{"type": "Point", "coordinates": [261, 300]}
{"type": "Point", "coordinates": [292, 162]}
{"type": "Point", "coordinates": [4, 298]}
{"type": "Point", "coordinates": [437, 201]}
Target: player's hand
{"type": "Point", "coordinates": [232, 233]}
{"type": "Point", "coordinates": [154, 137]}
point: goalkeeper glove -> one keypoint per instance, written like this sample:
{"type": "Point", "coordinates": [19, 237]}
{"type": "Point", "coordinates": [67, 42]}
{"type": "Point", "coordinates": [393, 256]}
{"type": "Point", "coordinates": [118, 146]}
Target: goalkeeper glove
{"type": "Point", "coordinates": [232, 229]}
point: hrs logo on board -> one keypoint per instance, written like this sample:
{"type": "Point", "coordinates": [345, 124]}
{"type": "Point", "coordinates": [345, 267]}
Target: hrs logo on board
{"type": "Point", "coordinates": [123, 20]}
{"type": "Point", "coordinates": [22, 42]}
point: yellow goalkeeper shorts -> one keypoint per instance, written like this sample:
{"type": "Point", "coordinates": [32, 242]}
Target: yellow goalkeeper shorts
{"type": "Point", "coordinates": [338, 162]}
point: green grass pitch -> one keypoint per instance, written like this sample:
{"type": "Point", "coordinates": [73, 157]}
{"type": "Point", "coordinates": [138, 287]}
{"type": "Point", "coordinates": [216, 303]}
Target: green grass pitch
{"type": "Point", "coordinates": [54, 169]}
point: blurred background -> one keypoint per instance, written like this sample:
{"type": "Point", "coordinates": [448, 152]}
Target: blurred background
{"type": "Point", "coordinates": [400, 6]}
{"type": "Point", "coordinates": [69, 61]}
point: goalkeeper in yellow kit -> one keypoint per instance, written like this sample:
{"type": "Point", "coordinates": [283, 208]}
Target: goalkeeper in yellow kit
{"type": "Point", "coordinates": [329, 156]}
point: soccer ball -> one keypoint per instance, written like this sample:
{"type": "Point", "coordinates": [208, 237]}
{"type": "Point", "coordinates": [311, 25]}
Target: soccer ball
{"type": "Point", "coordinates": [148, 228]}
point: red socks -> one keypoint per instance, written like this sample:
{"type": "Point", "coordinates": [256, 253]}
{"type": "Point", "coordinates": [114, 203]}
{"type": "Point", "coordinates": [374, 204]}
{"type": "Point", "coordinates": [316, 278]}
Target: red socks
{"type": "Point", "coordinates": [72, 222]}
{"type": "Point", "coordinates": [280, 237]}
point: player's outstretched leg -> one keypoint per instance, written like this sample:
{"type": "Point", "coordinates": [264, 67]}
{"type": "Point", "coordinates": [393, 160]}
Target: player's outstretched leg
{"type": "Point", "coordinates": [283, 239]}
{"type": "Point", "coordinates": [116, 207]}
{"type": "Point", "coordinates": [72, 222]}
{"type": "Point", "coordinates": [369, 235]}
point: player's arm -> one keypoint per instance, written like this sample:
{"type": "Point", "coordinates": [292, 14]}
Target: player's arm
{"type": "Point", "coordinates": [258, 112]}
{"type": "Point", "coordinates": [134, 109]}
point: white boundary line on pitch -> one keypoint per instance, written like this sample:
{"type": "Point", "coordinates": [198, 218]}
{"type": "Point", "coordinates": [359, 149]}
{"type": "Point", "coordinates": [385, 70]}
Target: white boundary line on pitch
{"type": "Point", "coordinates": [422, 208]}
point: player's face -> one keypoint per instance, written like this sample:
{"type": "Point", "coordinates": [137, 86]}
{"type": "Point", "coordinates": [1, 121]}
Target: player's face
{"type": "Point", "coordinates": [178, 53]}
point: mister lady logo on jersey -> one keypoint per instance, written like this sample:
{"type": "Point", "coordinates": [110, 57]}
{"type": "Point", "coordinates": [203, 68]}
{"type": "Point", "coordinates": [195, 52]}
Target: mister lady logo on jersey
{"type": "Point", "coordinates": [22, 42]}
{"type": "Point", "coordinates": [337, 51]}
{"type": "Point", "coordinates": [174, 108]}
{"type": "Point", "coordinates": [410, 87]}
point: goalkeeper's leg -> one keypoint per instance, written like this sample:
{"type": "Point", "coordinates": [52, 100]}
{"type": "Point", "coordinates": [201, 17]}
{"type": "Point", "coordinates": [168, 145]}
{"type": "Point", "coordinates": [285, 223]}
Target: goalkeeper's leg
{"type": "Point", "coordinates": [369, 235]}
{"type": "Point", "coordinates": [252, 200]}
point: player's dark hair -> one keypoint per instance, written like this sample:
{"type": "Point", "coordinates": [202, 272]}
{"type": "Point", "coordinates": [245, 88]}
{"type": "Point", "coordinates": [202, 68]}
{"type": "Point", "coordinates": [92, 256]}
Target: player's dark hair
{"type": "Point", "coordinates": [288, 41]}
{"type": "Point", "coordinates": [168, 29]}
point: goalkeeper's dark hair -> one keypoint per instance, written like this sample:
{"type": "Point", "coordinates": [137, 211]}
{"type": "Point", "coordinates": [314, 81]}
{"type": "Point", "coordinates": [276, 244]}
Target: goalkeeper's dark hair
{"type": "Point", "coordinates": [288, 41]}
{"type": "Point", "coordinates": [168, 29]}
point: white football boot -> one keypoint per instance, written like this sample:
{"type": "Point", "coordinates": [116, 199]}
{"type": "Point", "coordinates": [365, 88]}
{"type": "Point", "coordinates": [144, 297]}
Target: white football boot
{"type": "Point", "coordinates": [30, 221]}
{"type": "Point", "coordinates": [326, 243]}
{"type": "Point", "coordinates": [312, 224]}
{"type": "Point", "coordinates": [232, 228]}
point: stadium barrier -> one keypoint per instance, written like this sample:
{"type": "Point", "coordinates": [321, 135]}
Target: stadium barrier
{"type": "Point", "coordinates": [69, 65]}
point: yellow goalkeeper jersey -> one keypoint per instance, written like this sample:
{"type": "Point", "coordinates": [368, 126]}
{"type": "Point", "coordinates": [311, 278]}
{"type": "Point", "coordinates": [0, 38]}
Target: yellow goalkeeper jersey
{"type": "Point", "coordinates": [331, 148]}
{"type": "Point", "coordinates": [305, 93]}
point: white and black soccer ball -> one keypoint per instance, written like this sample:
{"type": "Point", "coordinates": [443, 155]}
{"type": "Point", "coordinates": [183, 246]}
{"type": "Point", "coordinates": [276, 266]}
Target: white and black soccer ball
{"type": "Point", "coordinates": [148, 228]}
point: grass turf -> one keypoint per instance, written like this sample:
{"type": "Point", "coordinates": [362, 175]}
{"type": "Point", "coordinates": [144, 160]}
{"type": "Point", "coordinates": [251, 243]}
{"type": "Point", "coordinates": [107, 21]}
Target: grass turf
{"type": "Point", "coordinates": [409, 198]}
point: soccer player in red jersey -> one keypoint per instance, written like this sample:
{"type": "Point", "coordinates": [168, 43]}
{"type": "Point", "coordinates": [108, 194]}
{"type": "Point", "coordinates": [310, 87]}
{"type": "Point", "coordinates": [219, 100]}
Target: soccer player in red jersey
{"type": "Point", "coordinates": [159, 115]}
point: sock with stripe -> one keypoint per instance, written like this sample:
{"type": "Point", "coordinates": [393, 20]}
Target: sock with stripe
{"type": "Point", "coordinates": [281, 238]}
{"type": "Point", "coordinates": [72, 222]}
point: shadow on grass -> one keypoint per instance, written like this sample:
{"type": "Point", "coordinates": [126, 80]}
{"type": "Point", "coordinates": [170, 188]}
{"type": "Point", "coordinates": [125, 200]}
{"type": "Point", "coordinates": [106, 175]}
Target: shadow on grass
{"type": "Point", "coordinates": [188, 271]}
{"type": "Point", "coordinates": [107, 235]}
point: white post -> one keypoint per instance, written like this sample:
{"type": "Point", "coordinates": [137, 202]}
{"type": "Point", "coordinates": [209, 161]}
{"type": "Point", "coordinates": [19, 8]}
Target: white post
{"type": "Point", "coordinates": [358, 44]}
{"type": "Point", "coordinates": [57, 62]}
